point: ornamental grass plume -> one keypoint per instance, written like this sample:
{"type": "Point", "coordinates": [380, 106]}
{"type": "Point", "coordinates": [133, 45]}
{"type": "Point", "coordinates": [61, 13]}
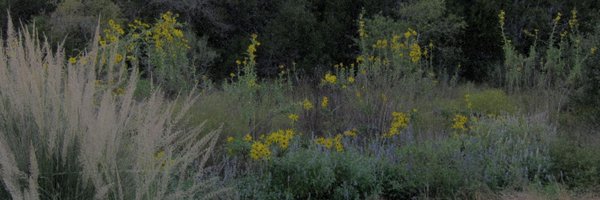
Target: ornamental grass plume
{"type": "Point", "coordinates": [63, 137]}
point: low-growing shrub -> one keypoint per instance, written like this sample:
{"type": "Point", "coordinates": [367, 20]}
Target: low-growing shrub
{"type": "Point", "coordinates": [316, 174]}
{"type": "Point", "coordinates": [576, 165]}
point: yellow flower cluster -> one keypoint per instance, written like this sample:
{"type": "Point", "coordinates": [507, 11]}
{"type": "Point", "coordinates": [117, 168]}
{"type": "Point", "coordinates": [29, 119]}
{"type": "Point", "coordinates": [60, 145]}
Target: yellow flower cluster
{"type": "Point", "coordinates": [325, 102]}
{"type": "Point", "coordinates": [351, 133]}
{"type": "Point", "coordinates": [118, 58]}
{"type": "Point", "coordinates": [399, 122]}
{"type": "Point", "coordinates": [558, 17]}
{"type": "Point", "coordinates": [167, 31]}
{"type": "Point", "coordinates": [307, 105]}
{"type": "Point", "coordinates": [331, 142]}
{"type": "Point", "coordinates": [293, 117]}
{"type": "Point", "coordinates": [410, 33]}
{"type": "Point", "coordinates": [593, 50]}
{"type": "Point", "coordinates": [260, 151]}
{"type": "Point", "coordinates": [573, 21]}
{"type": "Point", "coordinates": [281, 138]}
{"type": "Point", "coordinates": [351, 79]}
{"type": "Point", "coordinates": [72, 60]}
{"type": "Point", "coordinates": [362, 32]}
{"type": "Point", "coordinates": [248, 138]}
{"type": "Point", "coordinates": [330, 78]}
{"type": "Point", "coordinates": [501, 17]}
{"type": "Point", "coordinates": [261, 148]}
{"type": "Point", "coordinates": [400, 46]}
{"type": "Point", "coordinates": [380, 44]}
{"type": "Point", "coordinates": [415, 53]}
{"type": "Point", "coordinates": [459, 122]}
{"type": "Point", "coordinates": [252, 48]}
{"type": "Point", "coordinates": [111, 34]}
{"type": "Point", "coordinates": [230, 139]}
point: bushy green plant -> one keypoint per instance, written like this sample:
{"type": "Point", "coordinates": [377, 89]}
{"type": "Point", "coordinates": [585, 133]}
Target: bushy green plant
{"type": "Point", "coordinates": [576, 165]}
{"type": "Point", "coordinates": [312, 173]}
{"type": "Point", "coordinates": [493, 154]}
{"type": "Point", "coordinates": [76, 20]}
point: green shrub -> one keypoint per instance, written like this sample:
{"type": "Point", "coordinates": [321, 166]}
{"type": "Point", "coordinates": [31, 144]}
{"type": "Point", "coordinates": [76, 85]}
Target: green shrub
{"type": "Point", "coordinates": [576, 165]}
{"type": "Point", "coordinates": [314, 174]}
{"type": "Point", "coordinates": [495, 154]}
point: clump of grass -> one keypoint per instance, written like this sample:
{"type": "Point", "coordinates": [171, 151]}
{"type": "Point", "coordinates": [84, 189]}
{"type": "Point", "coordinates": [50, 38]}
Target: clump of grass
{"type": "Point", "coordinates": [63, 135]}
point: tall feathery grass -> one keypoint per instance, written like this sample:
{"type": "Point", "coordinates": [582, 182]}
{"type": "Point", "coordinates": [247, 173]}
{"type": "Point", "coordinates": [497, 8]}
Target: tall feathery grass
{"type": "Point", "coordinates": [65, 136]}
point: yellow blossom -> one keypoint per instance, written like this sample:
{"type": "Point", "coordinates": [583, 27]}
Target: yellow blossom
{"type": "Point", "coordinates": [362, 33]}
{"type": "Point", "coordinates": [307, 105]}
{"type": "Point", "coordinates": [501, 17]}
{"type": "Point", "coordinates": [293, 117]}
{"type": "Point", "coordinates": [351, 133]}
{"type": "Point", "coordinates": [330, 78]}
{"type": "Point", "coordinates": [230, 139]}
{"type": "Point", "coordinates": [281, 138]}
{"type": "Point", "coordinates": [118, 58]}
{"type": "Point", "coordinates": [259, 151]}
{"type": "Point", "coordinates": [360, 59]}
{"type": "Point", "coordinates": [72, 60]}
{"type": "Point", "coordinates": [593, 50]}
{"type": "Point", "coordinates": [573, 20]}
{"type": "Point", "coordinates": [339, 146]}
{"type": "Point", "coordinates": [351, 79]}
{"type": "Point", "coordinates": [248, 138]}
{"type": "Point", "coordinates": [324, 102]}
{"type": "Point", "coordinates": [399, 122]}
{"type": "Point", "coordinates": [459, 122]}
{"type": "Point", "coordinates": [415, 53]}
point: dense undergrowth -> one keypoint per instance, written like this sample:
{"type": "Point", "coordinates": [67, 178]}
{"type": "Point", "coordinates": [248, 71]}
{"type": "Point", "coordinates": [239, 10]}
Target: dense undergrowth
{"type": "Point", "coordinates": [107, 124]}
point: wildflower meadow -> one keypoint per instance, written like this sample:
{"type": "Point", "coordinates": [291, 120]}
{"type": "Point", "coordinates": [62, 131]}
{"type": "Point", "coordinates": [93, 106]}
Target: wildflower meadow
{"type": "Point", "coordinates": [394, 106]}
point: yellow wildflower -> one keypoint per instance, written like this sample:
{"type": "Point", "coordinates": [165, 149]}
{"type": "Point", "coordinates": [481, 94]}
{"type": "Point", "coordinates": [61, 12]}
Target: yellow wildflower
{"type": "Point", "coordinates": [501, 17]}
{"type": "Point", "coordinates": [593, 50]}
{"type": "Point", "coordinates": [339, 146]}
{"type": "Point", "coordinates": [259, 151]}
{"type": "Point", "coordinates": [399, 122]}
{"type": "Point", "coordinates": [248, 138]}
{"type": "Point", "coordinates": [351, 133]}
{"type": "Point", "coordinates": [360, 59]}
{"type": "Point", "coordinates": [324, 102]}
{"type": "Point", "coordinates": [351, 79]}
{"type": "Point", "coordinates": [230, 139]}
{"type": "Point", "coordinates": [459, 122]}
{"type": "Point", "coordinates": [280, 137]}
{"type": "Point", "coordinates": [118, 58]}
{"type": "Point", "coordinates": [415, 52]}
{"type": "Point", "coordinates": [330, 78]}
{"type": "Point", "coordinates": [307, 105]}
{"type": "Point", "coordinates": [557, 18]}
{"type": "Point", "coordinates": [362, 33]}
{"type": "Point", "coordinates": [293, 117]}
{"type": "Point", "coordinates": [72, 60]}
{"type": "Point", "coordinates": [326, 142]}
{"type": "Point", "coordinates": [573, 21]}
